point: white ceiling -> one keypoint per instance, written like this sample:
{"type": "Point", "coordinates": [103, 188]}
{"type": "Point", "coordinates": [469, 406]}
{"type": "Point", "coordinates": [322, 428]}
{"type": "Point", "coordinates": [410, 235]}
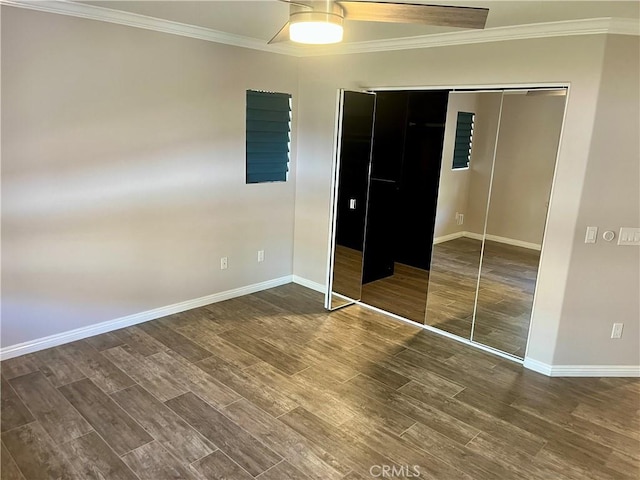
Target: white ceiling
{"type": "Point", "coordinates": [262, 19]}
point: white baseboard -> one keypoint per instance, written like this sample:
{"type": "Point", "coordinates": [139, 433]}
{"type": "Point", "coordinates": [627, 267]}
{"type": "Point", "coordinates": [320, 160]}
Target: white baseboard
{"type": "Point", "coordinates": [537, 366]}
{"type": "Point", "coordinates": [110, 325]}
{"type": "Point", "coordinates": [318, 287]}
{"type": "Point", "coordinates": [582, 370]}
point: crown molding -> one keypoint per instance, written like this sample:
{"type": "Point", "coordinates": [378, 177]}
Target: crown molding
{"type": "Point", "coordinates": [624, 26]}
{"type": "Point", "coordinates": [94, 12]}
{"type": "Point", "coordinates": [518, 32]}
{"type": "Point", "coordinates": [595, 26]}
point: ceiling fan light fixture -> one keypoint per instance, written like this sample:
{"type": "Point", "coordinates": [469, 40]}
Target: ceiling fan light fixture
{"type": "Point", "coordinates": [317, 28]}
{"type": "Point", "coordinates": [316, 33]}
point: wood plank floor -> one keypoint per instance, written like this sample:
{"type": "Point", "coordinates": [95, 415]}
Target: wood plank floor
{"type": "Point", "coordinates": [271, 386]}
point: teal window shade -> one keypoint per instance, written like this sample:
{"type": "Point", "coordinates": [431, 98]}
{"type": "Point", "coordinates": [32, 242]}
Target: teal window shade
{"type": "Point", "coordinates": [464, 140]}
{"type": "Point", "coordinates": [268, 129]}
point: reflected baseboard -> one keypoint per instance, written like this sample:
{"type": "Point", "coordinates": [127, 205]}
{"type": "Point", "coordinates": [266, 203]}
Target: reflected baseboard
{"type": "Point", "coordinates": [456, 235]}
{"type": "Point", "coordinates": [514, 242]}
{"type": "Point", "coordinates": [493, 238]}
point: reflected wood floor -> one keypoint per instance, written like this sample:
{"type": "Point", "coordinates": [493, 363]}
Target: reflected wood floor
{"type": "Point", "coordinates": [505, 297]}
{"type": "Point", "coordinates": [347, 272]}
{"type": "Point", "coordinates": [270, 386]}
{"type": "Point", "coordinates": [403, 293]}
{"type": "Point", "coordinates": [505, 292]}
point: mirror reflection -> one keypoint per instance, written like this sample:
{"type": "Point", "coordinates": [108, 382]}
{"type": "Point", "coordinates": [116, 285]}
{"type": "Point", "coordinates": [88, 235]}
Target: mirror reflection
{"type": "Point", "coordinates": [352, 178]}
{"type": "Point", "coordinates": [522, 178]}
{"type": "Point", "coordinates": [405, 168]}
{"type": "Point", "coordinates": [470, 138]}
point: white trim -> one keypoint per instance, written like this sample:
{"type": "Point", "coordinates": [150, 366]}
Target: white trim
{"type": "Point", "coordinates": [582, 370]}
{"type": "Point", "coordinates": [537, 366]}
{"type": "Point", "coordinates": [318, 287]}
{"type": "Point", "coordinates": [335, 168]}
{"type": "Point", "coordinates": [110, 325]}
{"type": "Point", "coordinates": [514, 242]}
{"type": "Point", "coordinates": [593, 26]}
{"type": "Point", "coordinates": [470, 88]}
{"type": "Point", "coordinates": [109, 15]}
{"type": "Point", "coordinates": [552, 194]}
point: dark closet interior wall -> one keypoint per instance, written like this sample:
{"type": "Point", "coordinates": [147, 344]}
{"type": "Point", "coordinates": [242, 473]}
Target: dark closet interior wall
{"type": "Point", "coordinates": [420, 176]}
{"type": "Point", "coordinates": [386, 166]}
{"type": "Point", "coordinates": [405, 170]}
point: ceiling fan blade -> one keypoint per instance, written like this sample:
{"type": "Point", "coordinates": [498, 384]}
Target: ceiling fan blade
{"type": "Point", "coordinates": [299, 3]}
{"type": "Point", "coordinates": [282, 35]}
{"type": "Point", "coordinates": [441, 15]}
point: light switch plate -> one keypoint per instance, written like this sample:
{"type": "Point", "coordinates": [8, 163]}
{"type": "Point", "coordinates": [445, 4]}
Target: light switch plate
{"type": "Point", "coordinates": [591, 235]}
{"type": "Point", "coordinates": [629, 236]}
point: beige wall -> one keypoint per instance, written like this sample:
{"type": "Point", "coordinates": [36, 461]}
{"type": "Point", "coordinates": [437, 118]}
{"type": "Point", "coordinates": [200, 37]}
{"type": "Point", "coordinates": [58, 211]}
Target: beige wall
{"type": "Point", "coordinates": [123, 172]}
{"type": "Point", "coordinates": [604, 279]}
{"type": "Point", "coordinates": [482, 152]}
{"type": "Point", "coordinates": [577, 60]}
{"type": "Point", "coordinates": [453, 189]}
{"type": "Point", "coordinates": [467, 191]}
{"type": "Point", "coordinates": [525, 156]}
{"type": "Point", "coordinates": [525, 160]}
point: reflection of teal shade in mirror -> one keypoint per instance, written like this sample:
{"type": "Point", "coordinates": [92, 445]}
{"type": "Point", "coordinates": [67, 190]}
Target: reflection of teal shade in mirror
{"type": "Point", "coordinates": [460, 215]}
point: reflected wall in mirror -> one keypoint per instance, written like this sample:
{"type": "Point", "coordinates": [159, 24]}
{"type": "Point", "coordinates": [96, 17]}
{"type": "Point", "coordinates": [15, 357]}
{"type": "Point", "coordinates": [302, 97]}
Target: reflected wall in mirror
{"type": "Point", "coordinates": [351, 184]}
{"type": "Point", "coordinates": [523, 173]}
{"type": "Point", "coordinates": [461, 211]}
{"type": "Point", "coordinates": [407, 152]}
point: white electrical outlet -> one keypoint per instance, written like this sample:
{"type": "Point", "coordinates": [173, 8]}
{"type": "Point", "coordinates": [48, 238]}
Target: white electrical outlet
{"type": "Point", "coordinates": [260, 255]}
{"type": "Point", "coordinates": [616, 331]}
{"type": "Point", "coordinates": [223, 263]}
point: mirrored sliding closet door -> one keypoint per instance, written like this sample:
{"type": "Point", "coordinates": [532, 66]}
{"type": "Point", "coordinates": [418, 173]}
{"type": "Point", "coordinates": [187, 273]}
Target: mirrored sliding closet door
{"type": "Point", "coordinates": [463, 195]}
{"type": "Point", "coordinates": [351, 185]}
{"type": "Point", "coordinates": [442, 221]}
{"type": "Point", "coordinates": [523, 171]}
